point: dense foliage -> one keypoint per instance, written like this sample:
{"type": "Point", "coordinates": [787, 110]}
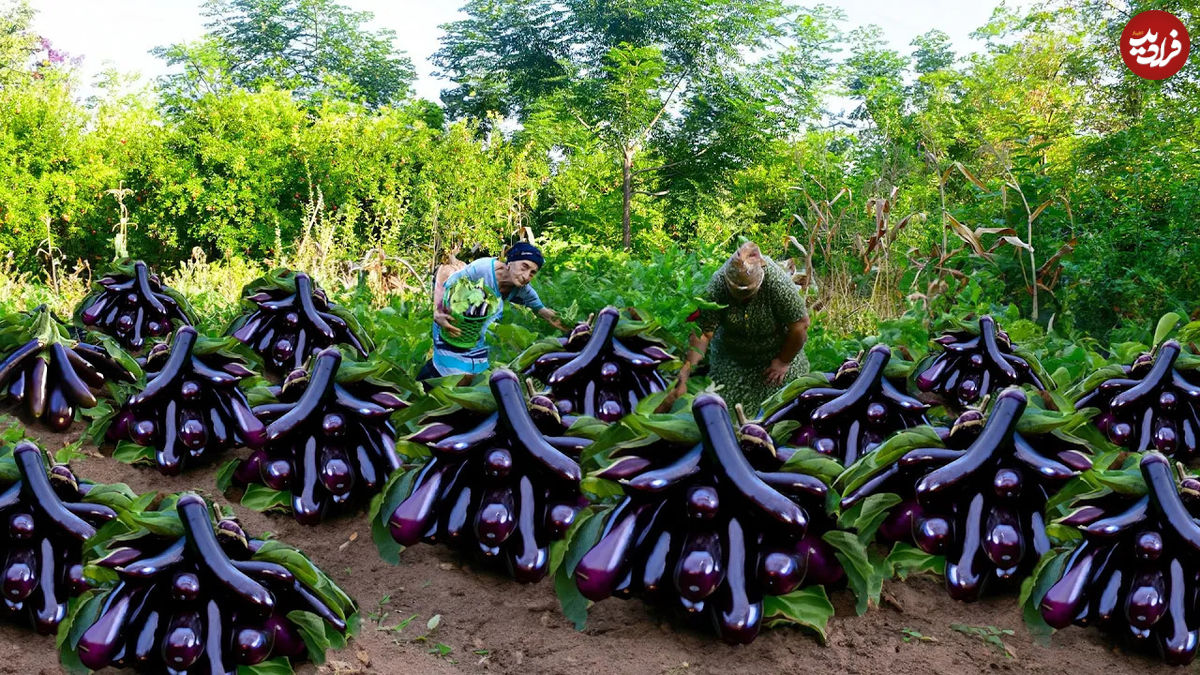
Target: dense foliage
{"type": "Point", "coordinates": [962, 162]}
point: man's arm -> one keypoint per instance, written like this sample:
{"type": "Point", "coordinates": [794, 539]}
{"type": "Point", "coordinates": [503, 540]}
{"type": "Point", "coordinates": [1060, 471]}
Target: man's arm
{"type": "Point", "coordinates": [441, 313]}
{"type": "Point", "coordinates": [527, 296]}
{"type": "Point", "coordinates": [439, 285]}
{"type": "Point", "coordinates": [551, 317]}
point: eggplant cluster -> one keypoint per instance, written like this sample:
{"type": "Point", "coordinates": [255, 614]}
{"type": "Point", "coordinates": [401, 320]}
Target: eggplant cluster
{"type": "Point", "coordinates": [978, 502]}
{"type": "Point", "coordinates": [711, 527]}
{"type": "Point", "coordinates": [1134, 572]}
{"type": "Point", "coordinates": [328, 440]}
{"type": "Point", "coordinates": [191, 408]}
{"type": "Point", "coordinates": [598, 374]}
{"type": "Point", "coordinates": [52, 375]}
{"type": "Point", "coordinates": [47, 523]}
{"type": "Point", "coordinates": [504, 484]}
{"type": "Point", "coordinates": [856, 411]}
{"type": "Point", "coordinates": [131, 304]}
{"type": "Point", "coordinates": [206, 601]}
{"type": "Point", "coordinates": [973, 364]}
{"type": "Point", "coordinates": [1154, 405]}
{"type": "Point", "coordinates": [293, 319]}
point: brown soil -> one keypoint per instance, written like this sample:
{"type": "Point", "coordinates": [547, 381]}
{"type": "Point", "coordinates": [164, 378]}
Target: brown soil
{"type": "Point", "coordinates": [489, 623]}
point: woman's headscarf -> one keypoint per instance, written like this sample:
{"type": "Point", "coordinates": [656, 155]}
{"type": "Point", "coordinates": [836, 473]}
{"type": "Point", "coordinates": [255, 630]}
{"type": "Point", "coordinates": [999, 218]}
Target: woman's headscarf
{"type": "Point", "coordinates": [744, 271]}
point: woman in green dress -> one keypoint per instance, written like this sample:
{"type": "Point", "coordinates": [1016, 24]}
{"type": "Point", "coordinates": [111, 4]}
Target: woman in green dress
{"type": "Point", "coordinates": [757, 338]}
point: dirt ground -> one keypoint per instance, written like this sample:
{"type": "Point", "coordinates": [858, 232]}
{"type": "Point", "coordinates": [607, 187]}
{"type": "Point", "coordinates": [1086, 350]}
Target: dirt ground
{"type": "Point", "coordinates": [491, 624]}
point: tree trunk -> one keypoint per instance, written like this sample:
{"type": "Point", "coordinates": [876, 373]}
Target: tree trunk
{"type": "Point", "coordinates": [626, 194]}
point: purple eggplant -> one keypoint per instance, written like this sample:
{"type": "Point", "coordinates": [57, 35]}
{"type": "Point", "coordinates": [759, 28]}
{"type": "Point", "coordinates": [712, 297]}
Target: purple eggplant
{"type": "Point", "coordinates": [528, 560]}
{"type": "Point", "coordinates": [130, 303]}
{"type": "Point", "coordinates": [680, 534]}
{"type": "Point", "coordinates": [184, 604]}
{"type": "Point", "coordinates": [712, 416]}
{"type": "Point", "coordinates": [514, 415]}
{"type": "Point", "coordinates": [496, 519]}
{"type": "Point", "coordinates": [100, 643]}
{"type": "Point", "coordinates": [329, 443]}
{"type": "Point", "coordinates": [251, 646]}
{"type": "Point", "coordinates": [193, 512]}
{"type": "Point", "coordinates": [781, 572]}
{"type": "Point", "coordinates": [183, 642]}
{"type": "Point", "coordinates": [700, 569]}
{"type": "Point", "coordinates": [739, 604]}
{"type": "Point", "coordinates": [598, 373]}
{"type": "Point", "coordinates": [413, 516]}
{"type": "Point", "coordinates": [1127, 575]}
{"type": "Point", "coordinates": [603, 566]}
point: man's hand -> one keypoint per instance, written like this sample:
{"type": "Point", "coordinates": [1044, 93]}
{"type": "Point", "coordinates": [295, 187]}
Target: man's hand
{"type": "Point", "coordinates": [776, 373]}
{"type": "Point", "coordinates": [551, 317]}
{"type": "Point", "coordinates": [446, 321]}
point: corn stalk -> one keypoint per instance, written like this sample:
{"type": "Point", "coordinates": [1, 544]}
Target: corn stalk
{"type": "Point", "coordinates": [121, 238]}
{"type": "Point", "coordinates": [876, 252]}
{"type": "Point", "coordinates": [50, 251]}
{"type": "Point", "coordinates": [1030, 216]}
{"type": "Point", "coordinates": [823, 230]}
{"type": "Point", "coordinates": [1049, 271]}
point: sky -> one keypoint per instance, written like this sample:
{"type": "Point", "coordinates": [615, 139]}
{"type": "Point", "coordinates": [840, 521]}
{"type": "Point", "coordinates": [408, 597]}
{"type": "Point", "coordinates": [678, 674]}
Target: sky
{"type": "Point", "coordinates": [120, 33]}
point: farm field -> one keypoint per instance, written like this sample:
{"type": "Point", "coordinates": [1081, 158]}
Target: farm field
{"type": "Point", "coordinates": [800, 338]}
{"type": "Point", "coordinates": [521, 628]}
{"type": "Point", "coordinates": [442, 610]}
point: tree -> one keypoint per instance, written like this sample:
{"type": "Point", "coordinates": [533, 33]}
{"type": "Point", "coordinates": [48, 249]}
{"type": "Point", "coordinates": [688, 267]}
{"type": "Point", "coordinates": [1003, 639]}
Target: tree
{"type": "Point", "coordinates": [933, 52]}
{"type": "Point", "coordinates": [618, 69]}
{"type": "Point", "coordinates": [732, 120]}
{"type": "Point", "coordinates": [621, 107]}
{"type": "Point", "coordinates": [17, 42]}
{"type": "Point", "coordinates": [507, 54]}
{"type": "Point", "coordinates": [933, 61]}
{"type": "Point", "coordinates": [875, 76]}
{"type": "Point", "coordinates": [317, 48]}
{"type": "Point", "coordinates": [504, 56]}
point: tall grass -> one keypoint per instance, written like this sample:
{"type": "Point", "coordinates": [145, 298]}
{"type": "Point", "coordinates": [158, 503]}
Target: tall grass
{"type": "Point", "coordinates": [213, 288]}
{"type": "Point", "coordinates": [62, 292]}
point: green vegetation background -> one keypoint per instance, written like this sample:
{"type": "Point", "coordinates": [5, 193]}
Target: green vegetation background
{"type": "Point", "coordinates": [702, 121]}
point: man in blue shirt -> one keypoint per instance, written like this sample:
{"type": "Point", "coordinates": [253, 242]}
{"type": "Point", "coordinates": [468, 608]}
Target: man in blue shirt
{"type": "Point", "coordinates": [509, 280]}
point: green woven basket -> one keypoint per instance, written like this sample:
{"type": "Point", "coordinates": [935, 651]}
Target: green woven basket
{"type": "Point", "coordinates": [471, 327]}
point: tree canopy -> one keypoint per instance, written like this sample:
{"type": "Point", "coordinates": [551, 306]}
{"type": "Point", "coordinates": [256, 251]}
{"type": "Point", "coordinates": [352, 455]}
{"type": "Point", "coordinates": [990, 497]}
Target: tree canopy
{"type": "Point", "coordinates": [318, 49]}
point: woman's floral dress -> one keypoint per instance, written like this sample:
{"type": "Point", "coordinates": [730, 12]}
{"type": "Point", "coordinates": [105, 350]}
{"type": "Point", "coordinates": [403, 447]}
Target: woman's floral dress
{"type": "Point", "coordinates": [748, 335]}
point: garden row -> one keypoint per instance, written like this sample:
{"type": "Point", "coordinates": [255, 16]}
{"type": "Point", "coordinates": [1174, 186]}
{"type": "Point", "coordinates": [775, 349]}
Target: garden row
{"type": "Point", "coordinates": [154, 583]}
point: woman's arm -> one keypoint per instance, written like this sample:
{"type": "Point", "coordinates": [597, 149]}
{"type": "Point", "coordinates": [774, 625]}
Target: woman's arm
{"type": "Point", "coordinates": [697, 346]}
{"type": "Point", "coordinates": [797, 335]}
